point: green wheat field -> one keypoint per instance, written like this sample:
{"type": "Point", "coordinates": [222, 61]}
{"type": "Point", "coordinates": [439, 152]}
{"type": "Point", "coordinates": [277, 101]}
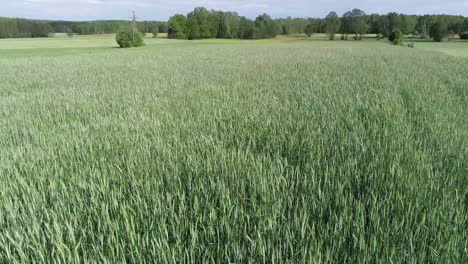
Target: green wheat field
{"type": "Point", "coordinates": [291, 150]}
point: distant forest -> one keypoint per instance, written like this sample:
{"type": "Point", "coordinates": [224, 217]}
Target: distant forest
{"type": "Point", "coordinates": [203, 23]}
{"type": "Point", "coordinates": [23, 28]}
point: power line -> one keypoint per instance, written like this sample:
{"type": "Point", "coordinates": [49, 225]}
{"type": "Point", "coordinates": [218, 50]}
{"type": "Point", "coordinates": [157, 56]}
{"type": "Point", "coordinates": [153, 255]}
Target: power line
{"type": "Point", "coordinates": [134, 18]}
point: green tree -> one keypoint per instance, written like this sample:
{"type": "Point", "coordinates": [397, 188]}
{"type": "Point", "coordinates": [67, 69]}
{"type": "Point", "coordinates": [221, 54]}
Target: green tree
{"type": "Point", "coordinates": [312, 27]}
{"type": "Point", "coordinates": [456, 27]}
{"type": "Point", "coordinates": [332, 24]}
{"type": "Point", "coordinates": [439, 31]}
{"type": "Point", "coordinates": [309, 30]}
{"type": "Point", "coordinates": [402, 24]}
{"type": "Point", "coordinates": [411, 22]}
{"type": "Point", "coordinates": [177, 27]}
{"type": "Point", "coordinates": [423, 26]}
{"type": "Point", "coordinates": [358, 23]}
{"type": "Point", "coordinates": [266, 27]}
{"type": "Point", "coordinates": [202, 23]}
{"type": "Point", "coordinates": [382, 26]}
{"type": "Point", "coordinates": [292, 25]}
{"type": "Point", "coordinates": [392, 19]}
{"type": "Point", "coordinates": [397, 37]}
{"type": "Point", "coordinates": [163, 27]}
{"type": "Point", "coordinates": [155, 30]}
{"type": "Point", "coordinates": [346, 27]}
{"type": "Point", "coordinates": [193, 28]}
{"type": "Point", "coordinates": [229, 25]}
{"type": "Point", "coordinates": [246, 28]}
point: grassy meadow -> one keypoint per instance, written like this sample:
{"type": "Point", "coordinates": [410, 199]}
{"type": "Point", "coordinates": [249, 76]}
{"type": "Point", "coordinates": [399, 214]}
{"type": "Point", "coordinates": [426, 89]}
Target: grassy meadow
{"type": "Point", "coordinates": [275, 151]}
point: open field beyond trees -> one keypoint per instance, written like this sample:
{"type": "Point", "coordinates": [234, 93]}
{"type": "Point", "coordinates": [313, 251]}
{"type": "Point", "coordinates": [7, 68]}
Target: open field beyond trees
{"type": "Point", "coordinates": [228, 151]}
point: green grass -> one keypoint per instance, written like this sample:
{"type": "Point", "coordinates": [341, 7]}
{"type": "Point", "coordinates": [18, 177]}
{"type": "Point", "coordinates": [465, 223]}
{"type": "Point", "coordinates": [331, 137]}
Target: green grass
{"type": "Point", "coordinates": [211, 151]}
{"type": "Point", "coordinates": [458, 49]}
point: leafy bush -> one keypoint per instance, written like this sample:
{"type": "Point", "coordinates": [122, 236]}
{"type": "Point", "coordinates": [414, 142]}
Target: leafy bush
{"type": "Point", "coordinates": [410, 45]}
{"type": "Point", "coordinates": [464, 35]}
{"type": "Point", "coordinates": [127, 39]}
{"type": "Point", "coordinates": [124, 39]}
{"type": "Point", "coordinates": [138, 41]}
{"type": "Point", "coordinates": [397, 37]}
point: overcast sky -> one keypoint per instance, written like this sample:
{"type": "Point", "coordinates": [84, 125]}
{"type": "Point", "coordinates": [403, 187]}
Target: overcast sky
{"type": "Point", "coordinates": [163, 9]}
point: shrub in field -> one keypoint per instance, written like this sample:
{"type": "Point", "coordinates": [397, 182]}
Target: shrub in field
{"type": "Point", "coordinates": [464, 35]}
{"type": "Point", "coordinates": [411, 45]}
{"type": "Point", "coordinates": [138, 41]}
{"type": "Point", "coordinates": [124, 39]}
{"type": "Point", "coordinates": [128, 39]}
{"type": "Point", "coordinates": [397, 37]}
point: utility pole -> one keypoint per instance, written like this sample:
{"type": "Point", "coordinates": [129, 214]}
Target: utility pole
{"type": "Point", "coordinates": [133, 25]}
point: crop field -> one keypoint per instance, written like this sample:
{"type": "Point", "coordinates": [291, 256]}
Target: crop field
{"type": "Point", "coordinates": [457, 49]}
{"type": "Point", "coordinates": [278, 151]}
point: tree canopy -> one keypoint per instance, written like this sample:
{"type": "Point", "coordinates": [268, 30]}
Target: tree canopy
{"type": "Point", "coordinates": [332, 24]}
{"type": "Point", "coordinates": [22, 28]}
{"type": "Point", "coordinates": [177, 27]}
{"type": "Point", "coordinates": [202, 23]}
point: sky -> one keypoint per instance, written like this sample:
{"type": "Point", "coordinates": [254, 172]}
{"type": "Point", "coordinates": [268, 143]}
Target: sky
{"type": "Point", "coordinates": [163, 9]}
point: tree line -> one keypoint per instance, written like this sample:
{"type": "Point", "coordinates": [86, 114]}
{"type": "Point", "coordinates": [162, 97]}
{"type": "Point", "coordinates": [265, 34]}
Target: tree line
{"type": "Point", "coordinates": [202, 23]}
{"type": "Point", "coordinates": [106, 27]}
{"type": "Point", "coordinates": [356, 22]}
{"type": "Point", "coordinates": [24, 28]}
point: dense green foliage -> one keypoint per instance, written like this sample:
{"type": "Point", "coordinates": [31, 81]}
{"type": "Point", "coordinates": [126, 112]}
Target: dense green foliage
{"type": "Point", "coordinates": [355, 23]}
{"type": "Point", "coordinates": [311, 28]}
{"type": "Point", "coordinates": [358, 23]}
{"type": "Point", "coordinates": [246, 28]}
{"type": "Point", "coordinates": [128, 39]}
{"type": "Point", "coordinates": [397, 37]}
{"type": "Point", "coordinates": [124, 39]}
{"type": "Point", "coordinates": [22, 28]}
{"type": "Point", "coordinates": [332, 25]}
{"type": "Point", "coordinates": [233, 153]}
{"type": "Point", "coordinates": [202, 24]}
{"type": "Point", "coordinates": [177, 27]}
{"type": "Point", "coordinates": [291, 26]}
{"type": "Point", "coordinates": [439, 31]}
{"type": "Point", "coordinates": [266, 27]}
{"type": "Point", "coordinates": [106, 27]}
{"type": "Point", "coordinates": [464, 35]}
